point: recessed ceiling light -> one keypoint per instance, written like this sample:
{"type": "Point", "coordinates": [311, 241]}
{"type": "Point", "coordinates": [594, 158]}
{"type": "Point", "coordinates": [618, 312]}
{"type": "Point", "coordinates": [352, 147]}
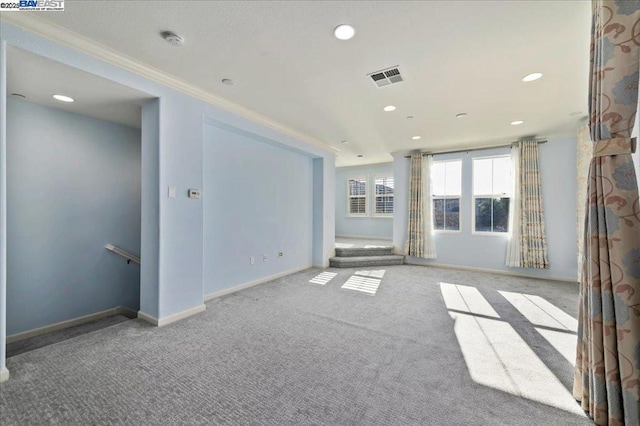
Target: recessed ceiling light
{"type": "Point", "coordinates": [172, 38]}
{"type": "Point", "coordinates": [344, 32]}
{"type": "Point", "coordinates": [227, 81]}
{"type": "Point", "coordinates": [18, 95]}
{"type": "Point", "coordinates": [415, 138]}
{"type": "Point", "coordinates": [344, 142]}
{"type": "Point", "coordinates": [461, 115]}
{"type": "Point", "coordinates": [409, 117]}
{"type": "Point", "coordinates": [389, 108]}
{"type": "Point", "coordinates": [360, 155]}
{"type": "Point", "coordinates": [517, 122]}
{"type": "Point", "coordinates": [63, 98]}
{"type": "Point", "coordinates": [532, 77]}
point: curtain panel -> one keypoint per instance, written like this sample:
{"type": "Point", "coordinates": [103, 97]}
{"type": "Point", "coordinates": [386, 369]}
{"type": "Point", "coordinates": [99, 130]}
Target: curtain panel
{"type": "Point", "coordinates": [429, 241]}
{"type": "Point", "coordinates": [584, 154]}
{"type": "Point", "coordinates": [607, 373]}
{"type": "Point", "coordinates": [514, 245]}
{"type": "Point", "coordinates": [527, 246]}
{"type": "Point", "coordinates": [532, 229]}
{"type": "Point", "coordinates": [414, 245]}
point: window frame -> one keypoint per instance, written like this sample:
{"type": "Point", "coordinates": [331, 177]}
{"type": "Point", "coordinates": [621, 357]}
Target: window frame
{"type": "Point", "coordinates": [447, 197]}
{"type": "Point", "coordinates": [375, 196]}
{"type": "Point", "coordinates": [365, 179]}
{"type": "Point", "coordinates": [492, 196]}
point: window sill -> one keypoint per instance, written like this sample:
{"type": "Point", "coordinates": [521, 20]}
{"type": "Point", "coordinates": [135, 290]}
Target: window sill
{"type": "Point", "coordinates": [490, 234]}
{"type": "Point", "coordinates": [381, 216]}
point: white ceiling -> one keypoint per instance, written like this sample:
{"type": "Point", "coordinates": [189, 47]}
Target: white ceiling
{"type": "Point", "coordinates": [457, 56]}
{"type": "Point", "coordinates": [39, 78]}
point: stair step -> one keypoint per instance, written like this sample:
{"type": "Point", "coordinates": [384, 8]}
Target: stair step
{"type": "Point", "coordinates": [362, 251]}
{"type": "Point", "coordinates": [56, 336]}
{"type": "Point", "coordinates": [359, 261]}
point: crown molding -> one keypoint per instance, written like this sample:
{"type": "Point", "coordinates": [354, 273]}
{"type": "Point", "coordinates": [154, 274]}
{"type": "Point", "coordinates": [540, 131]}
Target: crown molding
{"type": "Point", "coordinates": [63, 36]}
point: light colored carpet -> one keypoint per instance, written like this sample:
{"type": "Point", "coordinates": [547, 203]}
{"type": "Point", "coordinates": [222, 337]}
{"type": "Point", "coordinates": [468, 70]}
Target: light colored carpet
{"type": "Point", "coordinates": [292, 352]}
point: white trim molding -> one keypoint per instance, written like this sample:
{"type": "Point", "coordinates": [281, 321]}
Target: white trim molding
{"type": "Point", "coordinates": [360, 237]}
{"type": "Point", "coordinates": [148, 318]}
{"type": "Point", "coordinates": [71, 323]}
{"type": "Point", "coordinates": [253, 283]}
{"type": "Point", "coordinates": [4, 374]}
{"type": "Point", "coordinates": [490, 271]}
{"type": "Point", "coordinates": [61, 35]}
{"type": "Point", "coordinates": [161, 322]}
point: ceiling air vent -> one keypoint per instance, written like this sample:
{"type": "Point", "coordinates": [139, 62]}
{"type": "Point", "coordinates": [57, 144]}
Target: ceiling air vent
{"type": "Point", "coordinates": [386, 77]}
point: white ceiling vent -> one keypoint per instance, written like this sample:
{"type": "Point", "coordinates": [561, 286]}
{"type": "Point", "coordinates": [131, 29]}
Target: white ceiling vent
{"type": "Point", "coordinates": [386, 77]}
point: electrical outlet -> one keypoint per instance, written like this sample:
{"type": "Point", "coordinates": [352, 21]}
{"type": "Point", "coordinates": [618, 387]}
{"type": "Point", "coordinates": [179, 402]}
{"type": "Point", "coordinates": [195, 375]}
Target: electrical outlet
{"type": "Point", "coordinates": [280, 254]}
{"type": "Point", "coordinates": [252, 260]}
{"type": "Point", "coordinates": [265, 258]}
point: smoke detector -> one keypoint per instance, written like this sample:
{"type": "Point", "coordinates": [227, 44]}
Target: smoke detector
{"type": "Point", "coordinates": [172, 38]}
{"type": "Point", "coordinates": [386, 77]}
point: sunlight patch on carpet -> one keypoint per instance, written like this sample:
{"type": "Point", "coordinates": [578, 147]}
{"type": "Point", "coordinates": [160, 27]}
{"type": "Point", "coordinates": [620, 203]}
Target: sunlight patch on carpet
{"type": "Point", "coordinates": [323, 278]}
{"type": "Point", "coordinates": [362, 284]}
{"type": "Point", "coordinates": [496, 356]}
{"type": "Point", "coordinates": [464, 298]}
{"type": "Point", "coordinates": [540, 312]}
{"type": "Point", "coordinates": [564, 343]}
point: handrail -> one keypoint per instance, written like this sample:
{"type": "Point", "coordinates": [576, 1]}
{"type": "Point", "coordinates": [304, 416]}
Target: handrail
{"type": "Point", "coordinates": [117, 250]}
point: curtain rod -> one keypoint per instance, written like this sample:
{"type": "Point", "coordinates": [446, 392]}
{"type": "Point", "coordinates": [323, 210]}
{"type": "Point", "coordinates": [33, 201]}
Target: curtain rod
{"type": "Point", "coordinates": [540, 141]}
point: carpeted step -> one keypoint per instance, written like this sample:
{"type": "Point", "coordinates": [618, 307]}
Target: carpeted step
{"type": "Point", "coordinates": [42, 340]}
{"type": "Point", "coordinates": [362, 251]}
{"type": "Point", "coordinates": [359, 261]}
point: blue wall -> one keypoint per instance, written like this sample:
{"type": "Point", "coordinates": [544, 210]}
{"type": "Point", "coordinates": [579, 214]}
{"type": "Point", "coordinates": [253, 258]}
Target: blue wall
{"type": "Point", "coordinates": [558, 175]}
{"type": "Point", "coordinates": [150, 210]}
{"type": "Point", "coordinates": [172, 280]}
{"type": "Point", "coordinates": [258, 199]}
{"type": "Point", "coordinates": [73, 186]}
{"type": "Point", "coordinates": [370, 226]}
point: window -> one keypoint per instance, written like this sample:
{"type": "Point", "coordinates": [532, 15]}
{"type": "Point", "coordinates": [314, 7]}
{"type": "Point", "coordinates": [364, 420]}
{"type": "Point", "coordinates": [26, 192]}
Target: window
{"type": "Point", "coordinates": [446, 178]}
{"type": "Point", "coordinates": [357, 198]}
{"type": "Point", "coordinates": [383, 195]}
{"type": "Point", "coordinates": [491, 193]}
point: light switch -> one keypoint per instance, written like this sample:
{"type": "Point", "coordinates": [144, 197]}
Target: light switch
{"type": "Point", "coordinates": [194, 193]}
{"type": "Point", "coordinates": [172, 192]}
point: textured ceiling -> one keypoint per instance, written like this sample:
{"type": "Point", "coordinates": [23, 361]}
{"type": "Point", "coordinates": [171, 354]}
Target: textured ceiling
{"type": "Point", "coordinates": [38, 78]}
{"type": "Point", "coordinates": [456, 56]}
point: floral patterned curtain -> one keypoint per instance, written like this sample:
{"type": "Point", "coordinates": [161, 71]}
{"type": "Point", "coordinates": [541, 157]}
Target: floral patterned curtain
{"type": "Point", "coordinates": [583, 163]}
{"type": "Point", "coordinates": [414, 245]}
{"type": "Point", "coordinates": [514, 244]}
{"type": "Point", "coordinates": [532, 230]}
{"type": "Point", "coordinates": [429, 241]}
{"type": "Point", "coordinates": [527, 247]}
{"type": "Point", "coordinates": [607, 375]}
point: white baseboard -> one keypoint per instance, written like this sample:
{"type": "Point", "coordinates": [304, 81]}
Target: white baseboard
{"type": "Point", "coordinates": [358, 237]}
{"type": "Point", "coordinates": [148, 318]}
{"type": "Point", "coordinates": [319, 265]}
{"type": "Point", "coordinates": [491, 271]}
{"type": "Point", "coordinates": [4, 374]}
{"type": "Point", "coordinates": [239, 287]}
{"type": "Point", "coordinates": [70, 323]}
{"type": "Point", "coordinates": [161, 322]}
